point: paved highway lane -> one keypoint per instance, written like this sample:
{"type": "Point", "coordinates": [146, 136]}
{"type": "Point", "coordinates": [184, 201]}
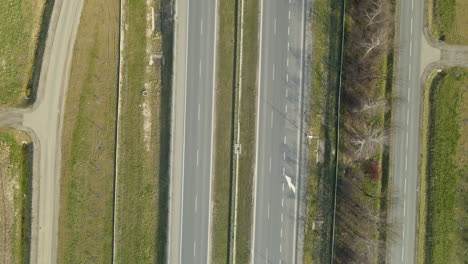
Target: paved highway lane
{"type": "Point", "coordinates": [190, 243]}
{"type": "Point", "coordinates": [278, 131]}
{"type": "Point", "coordinates": [406, 142]}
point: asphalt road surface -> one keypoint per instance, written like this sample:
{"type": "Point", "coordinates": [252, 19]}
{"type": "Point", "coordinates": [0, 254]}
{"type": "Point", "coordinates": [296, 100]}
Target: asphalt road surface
{"type": "Point", "coordinates": [192, 149]}
{"type": "Point", "coordinates": [406, 142]}
{"type": "Point", "coordinates": [278, 131]}
{"type": "Point", "coordinates": [43, 122]}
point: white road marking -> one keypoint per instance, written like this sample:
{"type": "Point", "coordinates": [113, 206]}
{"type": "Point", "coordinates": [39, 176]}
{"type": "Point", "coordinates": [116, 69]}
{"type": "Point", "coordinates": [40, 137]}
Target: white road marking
{"type": "Point", "coordinates": [287, 77]}
{"type": "Point", "coordinates": [199, 69]}
{"type": "Point", "coordinates": [273, 72]}
{"type": "Point", "coordinates": [285, 108]}
{"type": "Point", "coordinates": [282, 187]}
{"type": "Point", "coordinates": [275, 27]}
{"type": "Point", "coordinates": [282, 202]}
{"type": "Point", "coordinates": [289, 31]}
{"type": "Point", "coordinates": [194, 248]}
{"type": "Point", "coordinates": [271, 120]}
{"type": "Point", "coordinates": [405, 185]}
{"type": "Point", "coordinates": [196, 204]}
{"type": "Point", "coordinates": [407, 139]}
{"type": "Point", "coordinates": [281, 232]}
{"type": "Point", "coordinates": [197, 157]}
{"type": "Point", "coordinates": [270, 163]}
{"type": "Point", "coordinates": [404, 208]}
{"type": "Point", "coordinates": [411, 29]}
{"type": "Point", "coordinates": [281, 217]}
{"type": "Point", "coordinates": [402, 253]}
{"type": "Point", "coordinates": [284, 155]}
{"type": "Point", "coordinates": [198, 112]}
{"type": "Point", "coordinates": [289, 14]}
{"type": "Point", "coordinates": [286, 93]}
{"type": "Point", "coordinates": [284, 171]}
{"type": "Point", "coordinates": [288, 46]}
{"type": "Point", "coordinates": [268, 211]}
{"type": "Point", "coordinates": [201, 27]}
{"type": "Point", "coordinates": [284, 141]}
{"type": "Point", "coordinates": [280, 251]}
{"type": "Point", "coordinates": [287, 62]}
{"type": "Point", "coordinates": [266, 255]}
{"type": "Point", "coordinates": [406, 163]}
{"type": "Point", "coordinates": [410, 47]}
{"type": "Point", "coordinates": [407, 123]}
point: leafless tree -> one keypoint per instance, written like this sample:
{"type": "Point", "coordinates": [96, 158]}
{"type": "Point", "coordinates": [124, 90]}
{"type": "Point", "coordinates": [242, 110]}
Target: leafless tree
{"type": "Point", "coordinates": [373, 13]}
{"type": "Point", "coordinates": [368, 140]}
{"type": "Point", "coordinates": [374, 42]}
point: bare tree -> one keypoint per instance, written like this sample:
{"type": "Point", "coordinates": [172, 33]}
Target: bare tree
{"type": "Point", "coordinates": [373, 13]}
{"type": "Point", "coordinates": [368, 140]}
{"type": "Point", "coordinates": [375, 41]}
{"type": "Point", "coordinates": [372, 105]}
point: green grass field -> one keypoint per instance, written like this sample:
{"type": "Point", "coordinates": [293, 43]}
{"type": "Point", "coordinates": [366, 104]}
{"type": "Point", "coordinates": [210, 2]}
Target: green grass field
{"type": "Point", "coordinates": [88, 144]}
{"type": "Point", "coordinates": [20, 23]}
{"type": "Point", "coordinates": [15, 196]}
{"type": "Point", "coordinates": [446, 168]}
{"type": "Point", "coordinates": [448, 20]}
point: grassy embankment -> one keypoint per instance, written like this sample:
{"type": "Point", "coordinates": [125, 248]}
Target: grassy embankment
{"type": "Point", "coordinates": [326, 54]}
{"type": "Point", "coordinates": [20, 26]}
{"type": "Point", "coordinates": [365, 129]}
{"type": "Point", "coordinates": [143, 135]}
{"type": "Point", "coordinates": [15, 196]}
{"type": "Point", "coordinates": [88, 149]}
{"type": "Point", "coordinates": [248, 109]}
{"type": "Point", "coordinates": [448, 21]}
{"type": "Point", "coordinates": [444, 183]}
{"type": "Point", "coordinates": [225, 74]}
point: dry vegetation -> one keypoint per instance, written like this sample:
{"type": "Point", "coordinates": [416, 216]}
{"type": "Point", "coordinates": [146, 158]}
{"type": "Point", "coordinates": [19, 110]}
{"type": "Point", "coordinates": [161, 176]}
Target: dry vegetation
{"type": "Point", "coordinates": [20, 23]}
{"type": "Point", "coordinates": [88, 149]}
{"type": "Point", "coordinates": [361, 224]}
{"type": "Point", "coordinates": [15, 196]}
{"type": "Point", "coordinates": [142, 176]}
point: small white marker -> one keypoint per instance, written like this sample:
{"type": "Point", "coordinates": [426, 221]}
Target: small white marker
{"type": "Point", "coordinates": [197, 157]}
{"type": "Point", "coordinates": [286, 108]}
{"type": "Point", "coordinates": [280, 252]}
{"type": "Point", "coordinates": [289, 14]}
{"type": "Point", "coordinates": [196, 204]}
{"type": "Point", "coordinates": [287, 77]}
{"type": "Point", "coordinates": [282, 202]}
{"type": "Point", "coordinates": [275, 27]}
{"type": "Point", "coordinates": [201, 27]}
{"type": "Point", "coordinates": [273, 72]}
{"type": "Point", "coordinates": [288, 31]}
{"type": "Point", "coordinates": [284, 141]}
{"type": "Point", "coordinates": [271, 120]}
{"type": "Point", "coordinates": [404, 208]}
{"type": "Point", "coordinates": [281, 217]}
{"type": "Point", "coordinates": [287, 62]}
{"type": "Point", "coordinates": [281, 232]}
{"type": "Point", "coordinates": [284, 155]}
{"type": "Point", "coordinates": [198, 112]}
{"type": "Point", "coordinates": [268, 211]}
{"type": "Point", "coordinates": [286, 93]}
{"type": "Point", "coordinates": [194, 248]}
{"type": "Point", "coordinates": [199, 69]}
{"type": "Point", "coordinates": [270, 163]}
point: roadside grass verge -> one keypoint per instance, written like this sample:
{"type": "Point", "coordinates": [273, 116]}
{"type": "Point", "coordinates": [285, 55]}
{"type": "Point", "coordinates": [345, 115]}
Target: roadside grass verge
{"type": "Point", "coordinates": [143, 137]}
{"type": "Point", "coordinates": [448, 21]}
{"type": "Point", "coordinates": [224, 134]}
{"type": "Point", "coordinates": [15, 196]}
{"type": "Point", "coordinates": [88, 148]}
{"type": "Point", "coordinates": [326, 49]}
{"type": "Point", "coordinates": [20, 26]}
{"type": "Point", "coordinates": [248, 108]}
{"type": "Point", "coordinates": [445, 168]}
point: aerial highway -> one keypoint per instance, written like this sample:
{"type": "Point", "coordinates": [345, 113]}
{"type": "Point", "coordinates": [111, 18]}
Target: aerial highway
{"type": "Point", "coordinates": [279, 132]}
{"type": "Point", "coordinates": [192, 143]}
{"type": "Point", "coordinates": [406, 151]}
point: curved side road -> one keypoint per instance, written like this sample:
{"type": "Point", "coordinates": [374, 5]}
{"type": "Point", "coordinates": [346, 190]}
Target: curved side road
{"type": "Point", "coordinates": [44, 124]}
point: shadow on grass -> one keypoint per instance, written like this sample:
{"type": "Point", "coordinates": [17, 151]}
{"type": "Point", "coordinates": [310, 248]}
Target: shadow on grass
{"type": "Point", "coordinates": [165, 126]}
{"type": "Point", "coordinates": [33, 83]}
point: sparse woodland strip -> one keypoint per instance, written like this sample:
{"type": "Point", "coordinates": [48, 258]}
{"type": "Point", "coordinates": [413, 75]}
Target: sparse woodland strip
{"type": "Point", "coordinates": [365, 132]}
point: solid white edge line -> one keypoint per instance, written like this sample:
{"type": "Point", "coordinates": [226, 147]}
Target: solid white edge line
{"type": "Point", "coordinates": [183, 144]}
{"type": "Point", "coordinates": [252, 253]}
{"type": "Point", "coordinates": [213, 116]}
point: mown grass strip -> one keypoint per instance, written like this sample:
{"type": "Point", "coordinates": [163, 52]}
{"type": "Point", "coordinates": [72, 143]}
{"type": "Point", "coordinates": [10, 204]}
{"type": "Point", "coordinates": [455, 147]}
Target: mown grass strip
{"type": "Point", "coordinates": [88, 150]}
{"type": "Point", "coordinates": [248, 108]}
{"type": "Point", "coordinates": [15, 196]}
{"type": "Point", "coordinates": [446, 168]}
{"type": "Point", "coordinates": [224, 133]}
{"type": "Point", "coordinates": [20, 23]}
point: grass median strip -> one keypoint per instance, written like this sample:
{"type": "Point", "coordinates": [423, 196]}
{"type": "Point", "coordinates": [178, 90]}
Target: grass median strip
{"type": "Point", "coordinates": [223, 170]}
{"type": "Point", "coordinates": [143, 134]}
{"type": "Point", "coordinates": [444, 172]}
{"type": "Point", "coordinates": [15, 196]}
{"type": "Point", "coordinates": [88, 143]}
{"type": "Point", "coordinates": [20, 23]}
